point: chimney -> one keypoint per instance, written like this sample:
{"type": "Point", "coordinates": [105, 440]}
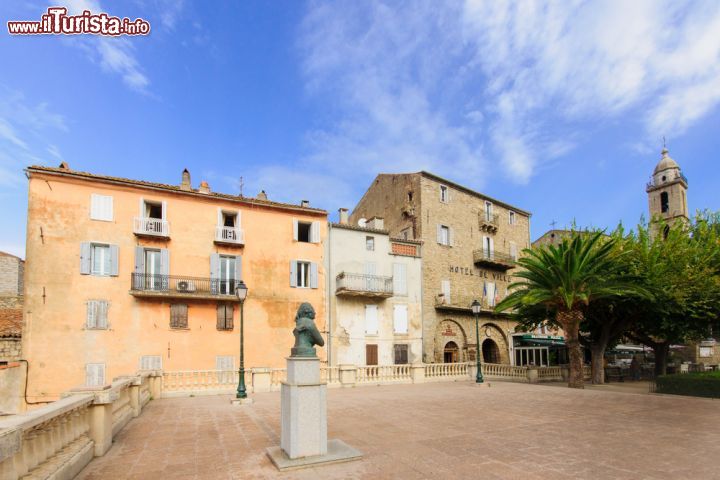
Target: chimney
{"type": "Point", "coordinates": [305, 203]}
{"type": "Point", "coordinates": [262, 195]}
{"type": "Point", "coordinates": [185, 184]}
{"type": "Point", "coordinates": [204, 187]}
{"type": "Point", "coordinates": [343, 216]}
{"type": "Point", "coordinates": [64, 166]}
{"type": "Point", "coordinates": [376, 223]}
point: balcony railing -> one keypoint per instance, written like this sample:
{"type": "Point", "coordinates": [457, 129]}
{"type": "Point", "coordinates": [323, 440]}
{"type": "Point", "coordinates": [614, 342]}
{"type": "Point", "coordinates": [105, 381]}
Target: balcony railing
{"type": "Point", "coordinates": [493, 259]}
{"type": "Point", "coordinates": [489, 222]}
{"type": "Point", "coordinates": [678, 176]}
{"type": "Point", "coordinates": [231, 235]}
{"type": "Point", "coordinates": [177, 286]}
{"type": "Point", "coordinates": [154, 227]}
{"type": "Point", "coordinates": [363, 285]}
{"type": "Point", "coordinates": [463, 303]}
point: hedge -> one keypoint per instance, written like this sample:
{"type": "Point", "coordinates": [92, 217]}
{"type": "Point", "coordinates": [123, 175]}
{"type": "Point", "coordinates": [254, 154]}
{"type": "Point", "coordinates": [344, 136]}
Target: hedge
{"type": "Point", "coordinates": [692, 384]}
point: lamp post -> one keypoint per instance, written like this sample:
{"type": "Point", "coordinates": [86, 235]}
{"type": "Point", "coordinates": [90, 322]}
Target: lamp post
{"type": "Point", "coordinates": [476, 311]}
{"type": "Point", "coordinates": [241, 291]}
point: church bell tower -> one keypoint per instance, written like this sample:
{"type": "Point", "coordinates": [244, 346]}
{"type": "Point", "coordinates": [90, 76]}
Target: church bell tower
{"type": "Point", "coordinates": [667, 192]}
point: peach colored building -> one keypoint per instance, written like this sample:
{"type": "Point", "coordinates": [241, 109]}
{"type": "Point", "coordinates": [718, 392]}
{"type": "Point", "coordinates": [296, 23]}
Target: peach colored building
{"type": "Point", "coordinates": [124, 275]}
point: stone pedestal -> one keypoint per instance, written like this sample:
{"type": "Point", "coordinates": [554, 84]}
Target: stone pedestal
{"type": "Point", "coordinates": [303, 423]}
{"type": "Point", "coordinates": [303, 409]}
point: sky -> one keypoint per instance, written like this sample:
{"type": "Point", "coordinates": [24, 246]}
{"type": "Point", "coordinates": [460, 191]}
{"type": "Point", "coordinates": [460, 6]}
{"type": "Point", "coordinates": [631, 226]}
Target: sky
{"type": "Point", "coordinates": [558, 108]}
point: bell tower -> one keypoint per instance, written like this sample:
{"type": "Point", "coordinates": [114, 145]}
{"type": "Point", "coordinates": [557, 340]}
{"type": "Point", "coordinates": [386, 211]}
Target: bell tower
{"type": "Point", "coordinates": [667, 191]}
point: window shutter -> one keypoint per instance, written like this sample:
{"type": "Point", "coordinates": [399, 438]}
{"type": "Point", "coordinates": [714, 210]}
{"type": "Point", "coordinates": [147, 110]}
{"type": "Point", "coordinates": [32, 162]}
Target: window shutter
{"type": "Point", "coordinates": [101, 314]}
{"type": "Point", "coordinates": [295, 229]}
{"type": "Point", "coordinates": [214, 273]}
{"type": "Point", "coordinates": [293, 273]}
{"type": "Point", "coordinates": [91, 314]}
{"type": "Point", "coordinates": [371, 319]}
{"type": "Point", "coordinates": [94, 207]}
{"type": "Point", "coordinates": [219, 217]}
{"type": "Point", "coordinates": [315, 232]}
{"type": "Point", "coordinates": [238, 268]}
{"type": "Point", "coordinates": [399, 279]}
{"type": "Point", "coordinates": [142, 208]}
{"type": "Point", "coordinates": [229, 316]}
{"type": "Point", "coordinates": [85, 260]}
{"type": "Point", "coordinates": [450, 236]}
{"type": "Point", "coordinates": [485, 246]}
{"type": "Point", "coordinates": [178, 315]}
{"type": "Point", "coordinates": [220, 316]}
{"type": "Point", "coordinates": [492, 246]}
{"type": "Point", "coordinates": [238, 224]}
{"type": "Point", "coordinates": [446, 290]}
{"type": "Point", "coordinates": [165, 266]}
{"type": "Point", "coordinates": [164, 210]}
{"type": "Point", "coordinates": [439, 233]}
{"type": "Point", "coordinates": [371, 354]}
{"type": "Point", "coordinates": [114, 260]}
{"type": "Point", "coordinates": [313, 275]}
{"type": "Point", "coordinates": [400, 319]}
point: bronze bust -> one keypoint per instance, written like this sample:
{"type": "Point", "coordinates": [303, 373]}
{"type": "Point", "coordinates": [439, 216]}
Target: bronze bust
{"type": "Point", "coordinates": [306, 333]}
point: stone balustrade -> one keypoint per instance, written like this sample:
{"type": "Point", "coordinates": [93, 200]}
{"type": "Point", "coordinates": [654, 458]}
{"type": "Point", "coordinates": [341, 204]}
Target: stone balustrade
{"type": "Point", "coordinates": [59, 439]}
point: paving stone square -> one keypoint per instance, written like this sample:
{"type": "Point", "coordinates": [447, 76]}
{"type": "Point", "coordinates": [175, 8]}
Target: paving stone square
{"type": "Point", "coordinates": [435, 430]}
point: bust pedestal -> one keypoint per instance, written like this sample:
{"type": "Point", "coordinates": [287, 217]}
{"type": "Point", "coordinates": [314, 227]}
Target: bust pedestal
{"type": "Point", "coordinates": [303, 423]}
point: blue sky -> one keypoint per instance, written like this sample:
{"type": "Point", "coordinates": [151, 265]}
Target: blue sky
{"type": "Point", "coordinates": [557, 108]}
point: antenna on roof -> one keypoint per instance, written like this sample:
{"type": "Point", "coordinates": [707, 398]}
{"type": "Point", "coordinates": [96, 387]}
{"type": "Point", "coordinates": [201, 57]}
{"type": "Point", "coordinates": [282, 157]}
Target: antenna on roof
{"type": "Point", "coordinates": [664, 146]}
{"type": "Point", "coordinates": [241, 186]}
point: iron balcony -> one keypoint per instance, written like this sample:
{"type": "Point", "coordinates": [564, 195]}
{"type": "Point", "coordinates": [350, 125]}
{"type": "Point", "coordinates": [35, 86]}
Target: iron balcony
{"type": "Point", "coordinates": [359, 285]}
{"type": "Point", "coordinates": [492, 259]}
{"type": "Point", "coordinates": [178, 286]}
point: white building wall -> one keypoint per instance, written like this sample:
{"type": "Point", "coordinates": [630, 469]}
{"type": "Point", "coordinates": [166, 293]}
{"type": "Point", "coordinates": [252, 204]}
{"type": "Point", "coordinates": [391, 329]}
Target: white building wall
{"type": "Point", "coordinates": [347, 252]}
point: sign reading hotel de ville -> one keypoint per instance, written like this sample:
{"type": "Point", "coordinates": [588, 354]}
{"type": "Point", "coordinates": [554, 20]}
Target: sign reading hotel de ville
{"type": "Point", "coordinates": [477, 272]}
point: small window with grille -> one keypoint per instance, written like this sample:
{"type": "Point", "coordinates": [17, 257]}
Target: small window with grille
{"type": "Point", "coordinates": [178, 315]}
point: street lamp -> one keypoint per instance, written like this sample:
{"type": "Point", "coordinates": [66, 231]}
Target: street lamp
{"type": "Point", "coordinates": [476, 311]}
{"type": "Point", "coordinates": [241, 291]}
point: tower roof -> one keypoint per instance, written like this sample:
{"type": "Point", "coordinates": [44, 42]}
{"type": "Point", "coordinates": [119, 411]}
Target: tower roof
{"type": "Point", "coordinates": [665, 162]}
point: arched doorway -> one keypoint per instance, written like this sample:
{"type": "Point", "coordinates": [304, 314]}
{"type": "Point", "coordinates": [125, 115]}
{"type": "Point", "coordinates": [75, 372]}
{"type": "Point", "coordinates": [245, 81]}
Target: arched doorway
{"type": "Point", "coordinates": [451, 353]}
{"type": "Point", "coordinates": [490, 351]}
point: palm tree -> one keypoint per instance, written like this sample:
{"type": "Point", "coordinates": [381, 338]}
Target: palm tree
{"type": "Point", "coordinates": [565, 279]}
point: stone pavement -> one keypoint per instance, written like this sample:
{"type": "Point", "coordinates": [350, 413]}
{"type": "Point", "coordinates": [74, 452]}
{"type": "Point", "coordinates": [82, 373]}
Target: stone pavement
{"type": "Point", "coordinates": [436, 430]}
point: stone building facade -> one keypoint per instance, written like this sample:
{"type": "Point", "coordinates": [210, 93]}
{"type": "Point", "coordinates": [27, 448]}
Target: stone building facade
{"type": "Point", "coordinates": [12, 271]}
{"type": "Point", "coordinates": [470, 242]}
{"type": "Point", "coordinates": [374, 294]}
{"type": "Point", "coordinates": [125, 274]}
{"type": "Point", "coordinates": [667, 192]}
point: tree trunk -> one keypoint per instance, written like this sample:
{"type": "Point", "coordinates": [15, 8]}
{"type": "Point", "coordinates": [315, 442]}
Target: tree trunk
{"type": "Point", "coordinates": [570, 323]}
{"type": "Point", "coordinates": [662, 351]}
{"type": "Point", "coordinates": [598, 363]}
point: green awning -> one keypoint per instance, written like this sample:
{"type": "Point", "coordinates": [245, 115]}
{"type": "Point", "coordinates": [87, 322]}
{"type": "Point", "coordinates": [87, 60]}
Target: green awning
{"type": "Point", "coordinates": [542, 340]}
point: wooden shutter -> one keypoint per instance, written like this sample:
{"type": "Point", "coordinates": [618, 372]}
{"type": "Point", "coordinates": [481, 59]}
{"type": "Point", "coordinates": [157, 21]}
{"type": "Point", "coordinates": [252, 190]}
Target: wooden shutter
{"type": "Point", "coordinates": [178, 315]}
{"type": "Point", "coordinates": [238, 268]}
{"type": "Point", "coordinates": [91, 316]}
{"type": "Point", "coordinates": [399, 279]}
{"type": "Point", "coordinates": [295, 229]}
{"type": "Point", "coordinates": [439, 234]}
{"type": "Point", "coordinates": [114, 260]}
{"type": "Point", "coordinates": [313, 275]}
{"type": "Point", "coordinates": [445, 286]}
{"type": "Point", "coordinates": [400, 319]}
{"type": "Point", "coordinates": [315, 232]}
{"type": "Point", "coordinates": [214, 273]}
{"type": "Point", "coordinates": [225, 315]}
{"type": "Point", "coordinates": [85, 258]}
{"type": "Point", "coordinates": [371, 354]}
{"type": "Point", "coordinates": [371, 319]}
{"type": "Point", "coordinates": [293, 273]}
{"type": "Point", "coordinates": [101, 314]}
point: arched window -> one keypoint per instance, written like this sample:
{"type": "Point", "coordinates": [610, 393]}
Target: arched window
{"type": "Point", "coordinates": [664, 202]}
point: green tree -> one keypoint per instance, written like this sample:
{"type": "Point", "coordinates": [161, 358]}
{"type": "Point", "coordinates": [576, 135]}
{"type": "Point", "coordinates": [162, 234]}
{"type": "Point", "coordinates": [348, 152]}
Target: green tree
{"type": "Point", "coordinates": [565, 279]}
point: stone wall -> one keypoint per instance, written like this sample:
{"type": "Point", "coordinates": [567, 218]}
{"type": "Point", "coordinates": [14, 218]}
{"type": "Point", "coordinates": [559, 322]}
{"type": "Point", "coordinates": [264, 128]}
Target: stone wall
{"type": "Point", "coordinates": [10, 349]}
{"type": "Point", "coordinates": [11, 275]}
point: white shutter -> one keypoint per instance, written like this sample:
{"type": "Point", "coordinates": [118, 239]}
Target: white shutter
{"type": "Point", "coordinates": [400, 319]}
{"type": "Point", "coordinates": [151, 362]}
{"type": "Point", "coordinates": [293, 273]}
{"type": "Point", "coordinates": [450, 236]}
{"type": "Point", "coordinates": [371, 320]}
{"type": "Point", "coordinates": [225, 362]}
{"type": "Point", "coordinates": [491, 293]}
{"type": "Point", "coordinates": [313, 275]}
{"type": "Point", "coordinates": [95, 374]}
{"type": "Point", "coordinates": [85, 258]}
{"type": "Point", "coordinates": [370, 268]}
{"type": "Point", "coordinates": [295, 229]}
{"type": "Point", "coordinates": [91, 316]}
{"type": "Point", "coordinates": [445, 286]}
{"type": "Point", "coordinates": [164, 261]}
{"type": "Point", "coordinates": [492, 246]}
{"type": "Point", "coordinates": [399, 279]}
{"type": "Point", "coordinates": [315, 232]}
{"type": "Point", "coordinates": [114, 260]}
{"type": "Point", "coordinates": [164, 210]}
{"type": "Point", "coordinates": [101, 207]}
{"type": "Point", "coordinates": [238, 268]}
{"type": "Point", "coordinates": [219, 217]}
{"type": "Point", "coordinates": [143, 214]}
{"type": "Point", "coordinates": [439, 234]}
{"type": "Point", "coordinates": [95, 207]}
{"type": "Point", "coordinates": [513, 250]}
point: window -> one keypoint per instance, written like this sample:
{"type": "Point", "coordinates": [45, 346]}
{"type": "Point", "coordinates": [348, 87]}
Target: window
{"type": "Point", "coordinates": [513, 251]}
{"type": "Point", "coordinates": [178, 315]}
{"type": "Point", "coordinates": [224, 362]}
{"type": "Point", "coordinates": [303, 231]}
{"type": "Point", "coordinates": [400, 353]}
{"type": "Point", "coordinates": [400, 319]}
{"type": "Point", "coordinates": [154, 210]}
{"type": "Point", "coordinates": [445, 289]}
{"type": "Point", "coordinates": [488, 211]}
{"type": "Point", "coordinates": [225, 273]}
{"type": "Point", "coordinates": [152, 269]}
{"type": "Point", "coordinates": [488, 247]}
{"type": "Point", "coordinates": [444, 235]}
{"type": "Point", "coordinates": [95, 374]}
{"type": "Point", "coordinates": [444, 194]}
{"type": "Point", "coordinates": [101, 260]}
{"type": "Point", "coordinates": [664, 202]}
{"type": "Point", "coordinates": [410, 196]}
{"type": "Point", "coordinates": [706, 351]}
{"type": "Point", "coordinates": [151, 362]}
{"type": "Point", "coordinates": [371, 354]}
{"type": "Point", "coordinates": [229, 219]}
{"type": "Point", "coordinates": [303, 274]}
{"type": "Point", "coordinates": [371, 320]}
{"type": "Point", "coordinates": [225, 315]}
{"type": "Point", "coordinates": [370, 243]}
{"type": "Point", "coordinates": [399, 279]}
{"type": "Point", "coordinates": [96, 317]}
{"type": "Point", "coordinates": [101, 207]}
{"type": "Point", "coordinates": [511, 218]}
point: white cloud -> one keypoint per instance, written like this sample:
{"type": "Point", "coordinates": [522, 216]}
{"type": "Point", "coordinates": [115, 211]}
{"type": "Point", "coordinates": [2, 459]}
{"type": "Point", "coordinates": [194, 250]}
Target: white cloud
{"type": "Point", "coordinates": [450, 88]}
